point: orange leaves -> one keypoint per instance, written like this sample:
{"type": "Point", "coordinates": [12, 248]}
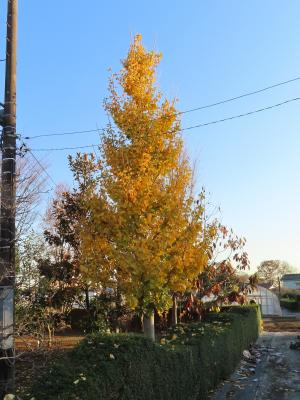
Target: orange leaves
{"type": "Point", "coordinates": [131, 196]}
{"type": "Point", "coordinates": [138, 76]}
{"type": "Point", "coordinates": [144, 229]}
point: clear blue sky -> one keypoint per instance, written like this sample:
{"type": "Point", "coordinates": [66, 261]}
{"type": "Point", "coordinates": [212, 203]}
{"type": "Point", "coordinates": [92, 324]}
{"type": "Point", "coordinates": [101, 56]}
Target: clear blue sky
{"type": "Point", "coordinates": [211, 50]}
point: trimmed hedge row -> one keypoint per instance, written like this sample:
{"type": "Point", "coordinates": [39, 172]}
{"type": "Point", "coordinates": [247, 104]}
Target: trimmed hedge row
{"type": "Point", "coordinates": [189, 361]}
{"type": "Point", "coordinates": [290, 304]}
{"type": "Point", "coordinates": [293, 294]}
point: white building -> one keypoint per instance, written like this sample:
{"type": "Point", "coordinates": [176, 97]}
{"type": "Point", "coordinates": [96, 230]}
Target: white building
{"type": "Point", "coordinates": [290, 281]}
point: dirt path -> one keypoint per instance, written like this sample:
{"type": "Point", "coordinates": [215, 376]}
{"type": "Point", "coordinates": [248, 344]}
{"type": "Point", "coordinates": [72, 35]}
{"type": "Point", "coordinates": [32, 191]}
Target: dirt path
{"type": "Point", "coordinates": [271, 372]}
{"type": "Point", "coordinates": [282, 324]}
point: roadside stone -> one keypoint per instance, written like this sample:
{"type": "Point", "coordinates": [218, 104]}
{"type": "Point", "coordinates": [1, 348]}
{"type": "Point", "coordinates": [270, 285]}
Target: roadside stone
{"type": "Point", "coordinates": [295, 346]}
{"type": "Point", "coordinates": [246, 354]}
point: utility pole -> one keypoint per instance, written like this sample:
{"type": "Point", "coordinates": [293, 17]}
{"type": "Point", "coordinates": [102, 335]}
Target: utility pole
{"type": "Point", "coordinates": [8, 207]}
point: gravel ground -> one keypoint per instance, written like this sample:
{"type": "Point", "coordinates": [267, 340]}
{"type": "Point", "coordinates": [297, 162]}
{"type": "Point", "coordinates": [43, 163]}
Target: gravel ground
{"type": "Point", "coordinates": [271, 371]}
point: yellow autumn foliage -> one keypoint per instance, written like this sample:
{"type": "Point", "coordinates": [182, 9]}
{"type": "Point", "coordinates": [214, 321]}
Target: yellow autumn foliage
{"type": "Point", "coordinates": [145, 232]}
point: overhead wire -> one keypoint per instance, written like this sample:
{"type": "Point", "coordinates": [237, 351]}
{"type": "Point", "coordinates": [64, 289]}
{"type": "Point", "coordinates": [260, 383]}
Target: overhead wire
{"type": "Point", "coordinates": [61, 134]}
{"type": "Point", "coordinates": [189, 127]}
{"type": "Point", "coordinates": [241, 115]}
{"type": "Point", "coordinates": [41, 165]}
{"type": "Point", "coordinates": [65, 148]}
{"type": "Point", "coordinates": [178, 113]}
{"type": "Point", "coordinates": [239, 97]}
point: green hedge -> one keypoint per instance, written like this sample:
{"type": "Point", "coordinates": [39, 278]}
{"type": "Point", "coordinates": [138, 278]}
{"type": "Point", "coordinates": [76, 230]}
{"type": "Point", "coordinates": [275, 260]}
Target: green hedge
{"type": "Point", "coordinates": [295, 295]}
{"type": "Point", "coordinates": [188, 362]}
{"type": "Point", "coordinates": [290, 304]}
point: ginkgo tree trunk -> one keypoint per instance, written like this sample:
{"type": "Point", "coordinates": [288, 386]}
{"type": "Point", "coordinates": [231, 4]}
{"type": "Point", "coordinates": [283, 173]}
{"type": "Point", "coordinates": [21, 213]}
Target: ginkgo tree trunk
{"type": "Point", "coordinates": [144, 231]}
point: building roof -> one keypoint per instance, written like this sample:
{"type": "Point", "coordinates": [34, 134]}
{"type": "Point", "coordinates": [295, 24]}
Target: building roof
{"type": "Point", "coordinates": [290, 277]}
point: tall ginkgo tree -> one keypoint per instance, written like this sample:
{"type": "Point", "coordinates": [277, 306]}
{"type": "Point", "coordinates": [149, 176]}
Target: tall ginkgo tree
{"type": "Point", "coordinates": [145, 232]}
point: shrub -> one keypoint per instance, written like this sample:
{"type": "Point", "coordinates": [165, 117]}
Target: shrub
{"type": "Point", "coordinates": [292, 294]}
{"type": "Point", "coordinates": [105, 313]}
{"type": "Point", "coordinates": [290, 303]}
{"type": "Point", "coordinates": [188, 362]}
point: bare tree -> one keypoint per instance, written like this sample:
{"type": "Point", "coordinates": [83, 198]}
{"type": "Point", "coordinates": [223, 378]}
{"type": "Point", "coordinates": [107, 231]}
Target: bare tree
{"type": "Point", "coordinates": [31, 185]}
{"type": "Point", "coordinates": [31, 181]}
{"type": "Point", "coordinates": [270, 272]}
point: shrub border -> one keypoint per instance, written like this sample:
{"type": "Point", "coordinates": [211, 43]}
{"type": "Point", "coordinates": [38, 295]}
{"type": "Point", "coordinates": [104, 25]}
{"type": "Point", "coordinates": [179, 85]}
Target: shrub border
{"type": "Point", "coordinates": [189, 362]}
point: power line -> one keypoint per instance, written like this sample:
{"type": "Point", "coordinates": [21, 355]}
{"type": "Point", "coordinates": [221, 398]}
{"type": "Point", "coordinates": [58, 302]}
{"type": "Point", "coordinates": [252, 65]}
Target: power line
{"type": "Point", "coordinates": [238, 97]}
{"type": "Point", "coordinates": [189, 127]}
{"type": "Point", "coordinates": [66, 148]}
{"type": "Point", "coordinates": [241, 115]}
{"type": "Point", "coordinates": [61, 134]}
{"type": "Point", "coordinates": [41, 165]}
{"type": "Point", "coordinates": [178, 113]}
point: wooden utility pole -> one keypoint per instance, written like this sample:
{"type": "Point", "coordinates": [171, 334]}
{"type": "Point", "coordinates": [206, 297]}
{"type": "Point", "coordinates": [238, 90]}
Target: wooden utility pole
{"type": "Point", "coordinates": [8, 207]}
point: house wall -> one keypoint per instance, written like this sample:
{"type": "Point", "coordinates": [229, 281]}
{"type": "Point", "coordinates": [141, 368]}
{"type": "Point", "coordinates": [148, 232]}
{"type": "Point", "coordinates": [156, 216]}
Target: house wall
{"type": "Point", "coordinates": [291, 284]}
